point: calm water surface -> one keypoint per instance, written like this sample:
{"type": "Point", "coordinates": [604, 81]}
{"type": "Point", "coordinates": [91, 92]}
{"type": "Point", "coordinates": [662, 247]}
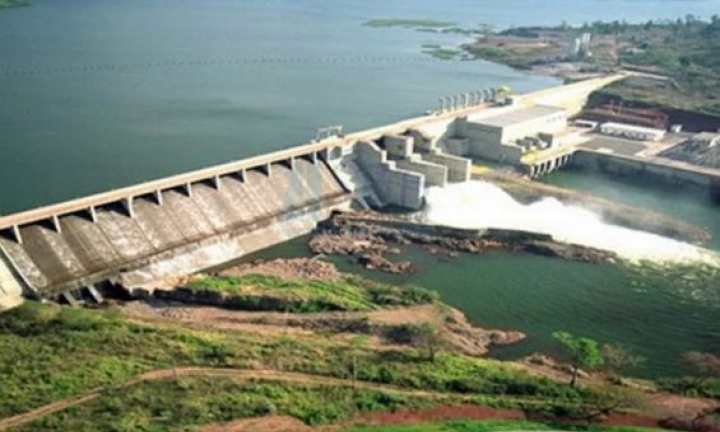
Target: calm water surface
{"type": "Point", "coordinates": [97, 94]}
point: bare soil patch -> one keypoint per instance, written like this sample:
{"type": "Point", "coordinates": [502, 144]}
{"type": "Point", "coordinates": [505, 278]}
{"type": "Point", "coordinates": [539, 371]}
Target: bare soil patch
{"type": "Point", "coordinates": [440, 413]}
{"type": "Point", "coordinates": [265, 424]}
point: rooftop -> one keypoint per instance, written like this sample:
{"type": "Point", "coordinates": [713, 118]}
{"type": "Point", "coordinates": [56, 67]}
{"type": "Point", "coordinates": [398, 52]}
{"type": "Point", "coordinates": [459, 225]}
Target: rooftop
{"type": "Point", "coordinates": [706, 136]}
{"type": "Point", "coordinates": [521, 115]}
{"type": "Point", "coordinates": [631, 128]}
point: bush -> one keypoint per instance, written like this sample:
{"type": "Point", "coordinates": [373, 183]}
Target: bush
{"type": "Point", "coordinates": [692, 387]}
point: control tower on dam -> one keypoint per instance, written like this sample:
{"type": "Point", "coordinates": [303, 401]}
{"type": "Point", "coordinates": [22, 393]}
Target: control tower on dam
{"type": "Point", "coordinates": [142, 234]}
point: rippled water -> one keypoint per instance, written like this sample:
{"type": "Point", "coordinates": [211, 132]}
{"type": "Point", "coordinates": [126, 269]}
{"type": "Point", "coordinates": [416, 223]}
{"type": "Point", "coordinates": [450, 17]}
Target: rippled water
{"type": "Point", "coordinates": [112, 92]}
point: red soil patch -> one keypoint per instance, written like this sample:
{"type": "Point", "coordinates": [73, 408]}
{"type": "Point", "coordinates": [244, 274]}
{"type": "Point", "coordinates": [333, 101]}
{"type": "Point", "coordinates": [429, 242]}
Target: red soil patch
{"type": "Point", "coordinates": [472, 412]}
{"type": "Point", "coordinates": [441, 413]}
{"type": "Point", "coordinates": [630, 420]}
{"type": "Point", "coordinates": [682, 407]}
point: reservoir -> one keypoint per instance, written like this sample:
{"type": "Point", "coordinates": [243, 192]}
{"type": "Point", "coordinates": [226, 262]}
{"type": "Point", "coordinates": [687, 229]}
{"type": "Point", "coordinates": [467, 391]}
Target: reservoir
{"type": "Point", "coordinates": [104, 93]}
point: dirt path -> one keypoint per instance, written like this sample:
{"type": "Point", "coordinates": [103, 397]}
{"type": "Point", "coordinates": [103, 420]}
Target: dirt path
{"type": "Point", "coordinates": [22, 419]}
{"type": "Point", "coordinates": [289, 377]}
{"type": "Point", "coordinates": [250, 374]}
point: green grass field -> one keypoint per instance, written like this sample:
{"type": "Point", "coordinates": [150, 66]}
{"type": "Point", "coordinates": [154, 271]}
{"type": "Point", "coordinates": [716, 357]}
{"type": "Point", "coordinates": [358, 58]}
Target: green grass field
{"type": "Point", "coordinates": [49, 353]}
{"type": "Point", "coordinates": [349, 294]}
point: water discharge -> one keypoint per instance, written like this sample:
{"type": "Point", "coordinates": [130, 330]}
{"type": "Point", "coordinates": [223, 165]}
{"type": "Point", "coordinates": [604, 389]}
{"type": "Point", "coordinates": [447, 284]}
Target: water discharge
{"type": "Point", "coordinates": [484, 205]}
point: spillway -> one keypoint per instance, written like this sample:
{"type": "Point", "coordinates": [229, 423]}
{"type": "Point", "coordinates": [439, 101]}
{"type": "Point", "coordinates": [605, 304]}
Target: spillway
{"type": "Point", "coordinates": [190, 227]}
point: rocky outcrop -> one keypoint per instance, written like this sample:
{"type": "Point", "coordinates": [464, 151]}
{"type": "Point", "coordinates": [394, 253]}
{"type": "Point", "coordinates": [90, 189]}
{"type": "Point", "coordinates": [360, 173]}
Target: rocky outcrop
{"type": "Point", "coordinates": [295, 268]}
{"type": "Point", "coordinates": [368, 236]}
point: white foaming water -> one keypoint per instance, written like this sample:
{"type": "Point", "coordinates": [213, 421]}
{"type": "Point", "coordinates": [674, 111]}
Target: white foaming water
{"type": "Point", "coordinates": [484, 205]}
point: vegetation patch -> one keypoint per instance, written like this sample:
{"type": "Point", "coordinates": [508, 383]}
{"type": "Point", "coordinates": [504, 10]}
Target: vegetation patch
{"type": "Point", "coordinates": [685, 50]}
{"type": "Point", "coordinates": [408, 23]}
{"type": "Point", "coordinates": [185, 402]}
{"type": "Point", "coordinates": [443, 53]}
{"type": "Point", "coordinates": [261, 292]}
{"type": "Point", "coordinates": [49, 353]}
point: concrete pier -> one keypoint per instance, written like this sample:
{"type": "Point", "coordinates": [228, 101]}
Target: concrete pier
{"type": "Point", "coordinates": [657, 169]}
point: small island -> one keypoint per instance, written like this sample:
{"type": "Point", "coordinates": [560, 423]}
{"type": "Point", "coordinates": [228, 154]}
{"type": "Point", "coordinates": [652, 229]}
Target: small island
{"type": "Point", "coordinates": [408, 23]}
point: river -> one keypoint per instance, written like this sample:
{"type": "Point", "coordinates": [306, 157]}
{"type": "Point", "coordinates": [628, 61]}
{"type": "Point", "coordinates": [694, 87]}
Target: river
{"type": "Point", "coordinates": [657, 311]}
{"type": "Point", "coordinates": [97, 94]}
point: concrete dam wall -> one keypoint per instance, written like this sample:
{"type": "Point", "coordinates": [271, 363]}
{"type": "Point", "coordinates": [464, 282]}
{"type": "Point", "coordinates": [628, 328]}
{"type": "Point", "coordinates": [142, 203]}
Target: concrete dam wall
{"type": "Point", "coordinates": [175, 231]}
{"type": "Point", "coordinates": [178, 225]}
{"type": "Point", "coordinates": [661, 170]}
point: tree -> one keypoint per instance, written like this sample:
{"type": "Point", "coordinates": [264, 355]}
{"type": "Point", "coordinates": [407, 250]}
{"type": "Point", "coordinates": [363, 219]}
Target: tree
{"type": "Point", "coordinates": [617, 358]}
{"type": "Point", "coordinates": [705, 364]}
{"type": "Point", "coordinates": [582, 353]}
{"type": "Point", "coordinates": [607, 400]}
{"type": "Point", "coordinates": [427, 336]}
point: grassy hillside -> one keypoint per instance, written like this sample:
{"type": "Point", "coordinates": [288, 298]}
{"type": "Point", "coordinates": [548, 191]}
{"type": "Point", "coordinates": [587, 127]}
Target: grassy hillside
{"type": "Point", "coordinates": [49, 353]}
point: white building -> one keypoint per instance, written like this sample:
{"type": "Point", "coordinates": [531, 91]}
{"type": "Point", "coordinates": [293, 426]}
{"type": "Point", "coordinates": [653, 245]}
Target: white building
{"type": "Point", "coordinates": [633, 132]}
{"type": "Point", "coordinates": [496, 137]}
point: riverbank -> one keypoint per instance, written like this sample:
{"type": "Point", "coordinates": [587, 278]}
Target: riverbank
{"type": "Point", "coordinates": [312, 295]}
{"type": "Point", "coordinates": [6, 4]}
{"type": "Point", "coordinates": [682, 53]}
{"type": "Point", "coordinates": [199, 365]}
{"type": "Point", "coordinates": [202, 365]}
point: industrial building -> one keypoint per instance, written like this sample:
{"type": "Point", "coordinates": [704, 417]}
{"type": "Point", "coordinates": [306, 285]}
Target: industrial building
{"type": "Point", "coordinates": [503, 136]}
{"type": "Point", "coordinates": [637, 133]}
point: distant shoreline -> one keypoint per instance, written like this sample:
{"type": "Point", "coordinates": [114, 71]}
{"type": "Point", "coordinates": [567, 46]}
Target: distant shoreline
{"type": "Point", "coordinates": [7, 4]}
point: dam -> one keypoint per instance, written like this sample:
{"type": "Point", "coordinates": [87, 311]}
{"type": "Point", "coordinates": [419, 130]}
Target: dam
{"type": "Point", "coordinates": [171, 227]}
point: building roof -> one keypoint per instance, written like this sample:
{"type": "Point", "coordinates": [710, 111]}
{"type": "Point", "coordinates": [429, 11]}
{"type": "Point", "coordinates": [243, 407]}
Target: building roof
{"type": "Point", "coordinates": [706, 136]}
{"type": "Point", "coordinates": [520, 115]}
{"type": "Point", "coordinates": [631, 128]}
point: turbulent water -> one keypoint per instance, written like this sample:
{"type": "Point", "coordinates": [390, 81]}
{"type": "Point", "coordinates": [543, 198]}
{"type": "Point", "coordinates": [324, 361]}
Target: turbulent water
{"type": "Point", "coordinates": [484, 205]}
